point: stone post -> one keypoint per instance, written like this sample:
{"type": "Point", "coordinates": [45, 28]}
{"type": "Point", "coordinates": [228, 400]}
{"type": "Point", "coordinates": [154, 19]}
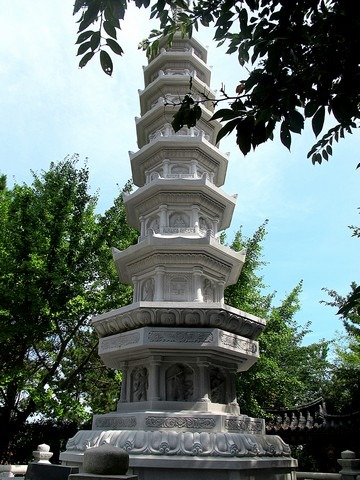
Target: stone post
{"type": "Point", "coordinates": [350, 466]}
{"type": "Point", "coordinates": [42, 454]}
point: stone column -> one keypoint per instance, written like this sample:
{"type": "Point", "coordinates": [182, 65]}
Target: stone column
{"type": "Point", "coordinates": [159, 284]}
{"type": "Point", "coordinates": [136, 296]}
{"type": "Point", "coordinates": [215, 225]}
{"type": "Point", "coordinates": [163, 219]}
{"type": "Point", "coordinates": [231, 386]}
{"type": "Point", "coordinates": [195, 209]}
{"type": "Point", "coordinates": [124, 386]}
{"type": "Point", "coordinates": [142, 226]}
{"type": "Point", "coordinates": [203, 382]}
{"type": "Point", "coordinates": [166, 164]}
{"type": "Point", "coordinates": [197, 277]}
{"type": "Point", "coordinates": [220, 292]}
{"type": "Point", "coordinates": [193, 169]}
{"type": "Point", "coordinates": [154, 379]}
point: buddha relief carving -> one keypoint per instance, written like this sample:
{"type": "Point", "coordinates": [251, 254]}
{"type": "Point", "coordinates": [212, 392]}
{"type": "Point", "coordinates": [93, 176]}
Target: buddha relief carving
{"type": "Point", "coordinates": [217, 385]}
{"type": "Point", "coordinates": [179, 383]}
{"type": "Point", "coordinates": [208, 290]}
{"type": "Point", "coordinates": [179, 220]}
{"type": "Point", "coordinates": [147, 290]}
{"type": "Point", "coordinates": [139, 383]}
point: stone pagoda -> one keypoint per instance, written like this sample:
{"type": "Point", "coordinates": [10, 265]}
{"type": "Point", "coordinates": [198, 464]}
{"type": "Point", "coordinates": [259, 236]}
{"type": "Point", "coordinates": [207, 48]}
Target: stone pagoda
{"type": "Point", "coordinates": [178, 345]}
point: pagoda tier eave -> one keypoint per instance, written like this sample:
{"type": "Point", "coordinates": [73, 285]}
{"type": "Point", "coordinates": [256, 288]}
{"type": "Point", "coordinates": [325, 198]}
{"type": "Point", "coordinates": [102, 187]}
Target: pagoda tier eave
{"type": "Point", "coordinates": [169, 56]}
{"type": "Point", "coordinates": [161, 191]}
{"type": "Point", "coordinates": [184, 314]}
{"type": "Point", "coordinates": [178, 147]}
{"type": "Point", "coordinates": [179, 253]}
{"type": "Point", "coordinates": [161, 116]}
{"type": "Point", "coordinates": [164, 85]}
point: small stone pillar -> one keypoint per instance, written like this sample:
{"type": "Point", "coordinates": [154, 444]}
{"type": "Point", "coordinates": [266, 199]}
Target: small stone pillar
{"type": "Point", "coordinates": [350, 466]}
{"type": "Point", "coordinates": [42, 454]}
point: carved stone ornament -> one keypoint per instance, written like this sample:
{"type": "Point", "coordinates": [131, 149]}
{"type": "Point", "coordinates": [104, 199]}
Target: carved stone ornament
{"type": "Point", "coordinates": [115, 422]}
{"type": "Point", "coordinates": [200, 444]}
{"type": "Point", "coordinates": [118, 321]}
{"type": "Point", "coordinates": [181, 422]}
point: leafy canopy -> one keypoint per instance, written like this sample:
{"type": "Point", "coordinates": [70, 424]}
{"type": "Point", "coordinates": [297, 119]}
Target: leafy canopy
{"type": "Point", "coordinates": [300, 59]}
{"type": "Point", "coordinates": [287, 373]}
{"type": "Point", "coordinates": [56, 271]}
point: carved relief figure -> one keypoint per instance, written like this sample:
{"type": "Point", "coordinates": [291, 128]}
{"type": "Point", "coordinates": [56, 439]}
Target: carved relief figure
{"type": "Point", "coordinates": [208, 291]}
{"type": "Point", "coordinates": [155, 226]}
{"type": "Point", "coordinates": [139, 384]}
{"type": "Point", "coordinates": [147, 293]}
{"type": "Point", "coordinates": [217, 386]}
{"type": "Point", "coordinates": [179, 221]}
{"type": "Point", "coordinates": [179, 383]}
{"type": "Point", "coordinates": [203, 224]}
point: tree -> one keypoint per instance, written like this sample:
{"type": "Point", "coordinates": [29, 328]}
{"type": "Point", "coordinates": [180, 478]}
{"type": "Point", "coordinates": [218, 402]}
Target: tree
{"type": "Point", "coordinates": [287, 373]}
{"type": "Point", "coordinates": [56, 272]}
{"type": "Point", "coordinates": [300, 59]}
{"type": "Point", "coordinates": [344, 394]}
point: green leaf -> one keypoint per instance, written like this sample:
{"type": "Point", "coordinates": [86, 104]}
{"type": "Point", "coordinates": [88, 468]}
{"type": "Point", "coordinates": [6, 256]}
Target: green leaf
{"type": "Point", "coordinates": [296, 121]}
{"type": "Point", "coordinates": [85, 59]}
{"type": "Point", "coordinates": [197, 111]}
{"type": "Point", "coordinates": [226, 129]}
{"type": "Point", "coordinates": [318, 121]}
{"type": "Point", "coordinates": [83, 48]}
{"type": "Point", "coordinates": [225, 114]}
{"type": "Point", "coordinates": [115, 47]}
{"type": "Point", "coordinates": [106, 62]}
{"type": "Point", "coordinates": [310, 108]}
{"type": "Point", "coordinates": [285, 135]}
{"type": "Point", "coordinates": [84, 36]}
{"type": "Point", "coordinates": [109, 29]}
{"type": "Point", "coordinates": [95, 40]}
{"type": "Point", "coordinates": [244, 134]}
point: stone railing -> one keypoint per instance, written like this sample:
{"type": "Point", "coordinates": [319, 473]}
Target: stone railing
{"type": "Point", "coordinates": [176, 176]}
{"type": "Point", "coordinates": [179, 231]}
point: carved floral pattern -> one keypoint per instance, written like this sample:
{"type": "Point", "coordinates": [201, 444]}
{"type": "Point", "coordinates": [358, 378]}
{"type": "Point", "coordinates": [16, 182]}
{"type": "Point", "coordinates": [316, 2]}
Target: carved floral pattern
{"type": "Point", "coordinates": [181, 337]}
{"type": "Point", "coordinates": [200, 444]}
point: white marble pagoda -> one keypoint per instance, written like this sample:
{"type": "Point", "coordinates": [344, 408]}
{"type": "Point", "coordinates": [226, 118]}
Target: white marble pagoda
{"type": "Point", "coordinates": [178, 345]}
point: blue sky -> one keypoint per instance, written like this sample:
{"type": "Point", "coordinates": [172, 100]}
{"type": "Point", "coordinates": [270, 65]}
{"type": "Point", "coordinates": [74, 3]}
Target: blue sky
{"type": "Point", "coordinates": [50, 108]}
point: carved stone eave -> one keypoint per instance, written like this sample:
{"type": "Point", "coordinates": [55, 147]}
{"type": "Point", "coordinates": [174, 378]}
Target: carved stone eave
{"type": "Point", "coordinates": [195, 343]}
{"type": "Point", "coordinates": [161, 115]}
{"type": "Point", "coordinates": [221, 261]}
{"type": "Point", "coordinates": [184, 57]}
{"type": "Point", "coordinates": [190, 314]}
{"type": "Point", "coordinates": [182, 149]}
{"type": "Point", "coordinates": [211, 200]}
{"type": "Point", "coordinates": [162, 91]}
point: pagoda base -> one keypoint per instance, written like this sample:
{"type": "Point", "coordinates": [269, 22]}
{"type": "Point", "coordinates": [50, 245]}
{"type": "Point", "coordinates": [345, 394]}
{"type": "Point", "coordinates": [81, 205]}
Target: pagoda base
{"type": "Point", "coordinates": [195, 455]}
